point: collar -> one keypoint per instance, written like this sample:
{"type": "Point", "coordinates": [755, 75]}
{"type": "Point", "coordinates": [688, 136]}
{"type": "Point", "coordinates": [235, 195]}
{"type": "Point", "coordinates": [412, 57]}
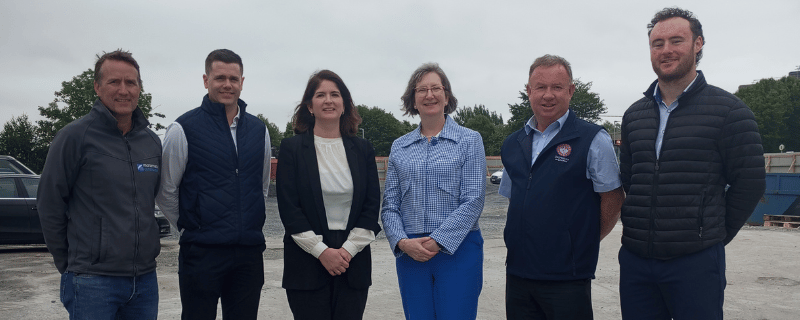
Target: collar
{"type": "Point", "coordinates": [138, 119]}
{"type": "Point", "coordinates": [696, 86]}
{"type": "Point", "coordinates": [531, 124]}
{"type": "Point", "coordinates": [236, 118]}
{"type": "Point", "coordinates": [217, 109]}
{"type": "Point", "coordinates": [657, 91]}
{"type": "Point", "coordinates": [448, 132]}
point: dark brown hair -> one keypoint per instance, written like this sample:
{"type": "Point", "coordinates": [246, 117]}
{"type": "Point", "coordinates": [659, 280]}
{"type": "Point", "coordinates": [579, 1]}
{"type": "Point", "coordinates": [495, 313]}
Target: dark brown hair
{"type": "Point", "coordinates": [304, 121]}
{"type": "Point", "coordinates": [694, 24]}
{"type": "Point", "coordinates": [118, 55]}
{"type": "Point", "coordinates": [225, 56]}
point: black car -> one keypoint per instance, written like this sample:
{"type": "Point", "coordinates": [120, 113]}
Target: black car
{"type": "Point", "coordinates": [10, 165]}
{"type": "Point", "coordinates": [19, 218]}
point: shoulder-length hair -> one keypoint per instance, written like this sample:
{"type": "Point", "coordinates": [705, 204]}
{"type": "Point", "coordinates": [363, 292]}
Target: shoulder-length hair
{"type": "Point", "coordinates": [303, 120]}
{"type": "Point", "coordinates": [409, 98]}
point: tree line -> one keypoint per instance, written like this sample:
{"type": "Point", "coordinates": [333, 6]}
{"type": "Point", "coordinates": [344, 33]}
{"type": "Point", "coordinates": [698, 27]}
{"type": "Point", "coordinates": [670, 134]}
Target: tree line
{"type": "Point", "coordinates": [775, 103]}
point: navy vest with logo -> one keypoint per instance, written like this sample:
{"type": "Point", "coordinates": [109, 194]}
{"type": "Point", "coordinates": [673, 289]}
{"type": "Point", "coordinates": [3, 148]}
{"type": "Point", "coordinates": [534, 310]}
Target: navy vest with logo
{"type": "Point", "coordinates": [221, 194]}
{"type": "Point", "coordinates": [553, 226]}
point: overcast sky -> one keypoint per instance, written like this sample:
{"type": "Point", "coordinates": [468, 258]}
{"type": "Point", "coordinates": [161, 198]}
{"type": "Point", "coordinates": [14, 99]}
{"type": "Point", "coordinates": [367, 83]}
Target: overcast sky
{"type": "Point", "coordinates": [485, 47]}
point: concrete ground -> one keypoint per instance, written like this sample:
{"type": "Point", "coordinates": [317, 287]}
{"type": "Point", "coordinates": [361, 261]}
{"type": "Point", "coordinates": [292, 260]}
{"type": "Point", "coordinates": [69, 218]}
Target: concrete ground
{"type": "Point", "coordinates": [763, 271]}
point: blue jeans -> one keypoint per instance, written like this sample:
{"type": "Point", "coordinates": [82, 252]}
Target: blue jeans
{"type": "Point", "coordinates": [89, 296]}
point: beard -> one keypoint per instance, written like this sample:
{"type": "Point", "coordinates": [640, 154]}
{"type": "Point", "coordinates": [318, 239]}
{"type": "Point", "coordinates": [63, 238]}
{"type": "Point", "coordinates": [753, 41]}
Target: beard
{"type": "Point", "coordinates": [683, 68]}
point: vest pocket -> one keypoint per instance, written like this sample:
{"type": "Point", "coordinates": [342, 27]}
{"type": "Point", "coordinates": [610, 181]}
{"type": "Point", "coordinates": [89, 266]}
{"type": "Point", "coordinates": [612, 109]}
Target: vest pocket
{"type": "Point", "coordinates": [97, 246]}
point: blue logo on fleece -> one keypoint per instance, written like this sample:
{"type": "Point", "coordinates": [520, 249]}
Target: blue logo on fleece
{"type": "Point", "coordinates": [146, 167]}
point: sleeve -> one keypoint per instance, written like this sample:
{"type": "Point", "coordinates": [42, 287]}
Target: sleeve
{"type": "Point", "coordinates": [454, 229]}
{"type": "Point", "coordinates": [392, 197]}
{"type": "Point", "coordinates": [602, 167]}
{"type": "Point", "coordinates": [60, 172]}
{"type": "Point", "coordinates": [743, 160]}
{"type": "Point", "coordinates": [357, 240]}
{"type": "Point", "coordinates": [266, 178]}
{"type": "Point", "coordinates": [311, 242]}
{"type": "Point", "coordinates": [505, 185]}
{"type": "Point", "coordinates": [174, 157]}
{"type": "Point", "coordinates": [289, 209]}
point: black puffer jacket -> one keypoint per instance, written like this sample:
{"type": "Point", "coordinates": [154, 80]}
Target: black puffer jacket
{"type": "Point", "coordinates": [677, 204]}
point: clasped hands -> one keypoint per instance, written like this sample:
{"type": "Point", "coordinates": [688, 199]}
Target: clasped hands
{"type": "Point", "coordinates": [336, 261]}
{"type": "Point", "coordinates": [420, 249]}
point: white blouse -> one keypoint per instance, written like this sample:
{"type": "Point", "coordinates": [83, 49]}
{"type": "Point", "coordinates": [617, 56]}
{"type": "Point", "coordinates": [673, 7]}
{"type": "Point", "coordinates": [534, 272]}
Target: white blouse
{"type": "Point", "coordinates": [337, 195]}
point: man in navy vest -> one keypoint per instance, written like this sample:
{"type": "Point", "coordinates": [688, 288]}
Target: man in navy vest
{"type": "Point", "coordinates": [692, 164]}
{"type": "Point", "coordinates": [215, 180]}
{"type": "Point", "coordinates": [562, 181]}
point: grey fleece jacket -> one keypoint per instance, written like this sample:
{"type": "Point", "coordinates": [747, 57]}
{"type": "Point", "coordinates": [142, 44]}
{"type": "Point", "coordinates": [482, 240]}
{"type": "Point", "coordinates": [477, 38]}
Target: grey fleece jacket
{"type": "Point", "coordinates": [97, 194]}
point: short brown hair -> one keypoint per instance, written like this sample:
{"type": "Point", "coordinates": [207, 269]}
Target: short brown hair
{"type": "Point", "coordinates": [303, 120]}
{"type": "Point", "coordinates": [416, 77]}
{"type": "Point", "coordinates": [550, 60]}
{"type": "Point", "coordinates": [118, 55]}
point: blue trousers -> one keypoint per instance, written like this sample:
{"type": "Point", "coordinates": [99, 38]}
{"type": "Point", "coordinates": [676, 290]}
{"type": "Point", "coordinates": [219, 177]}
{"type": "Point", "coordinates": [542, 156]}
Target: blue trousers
{"type": "Point", "coordinates": [687, 287]}
{"type": "Point", "coordinates": [88, 296]}
{"type": "Point", "coordinates": [446, 286]}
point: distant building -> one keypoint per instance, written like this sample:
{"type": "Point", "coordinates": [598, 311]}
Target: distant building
{"type": "Point", "coordinates": [795, 74]}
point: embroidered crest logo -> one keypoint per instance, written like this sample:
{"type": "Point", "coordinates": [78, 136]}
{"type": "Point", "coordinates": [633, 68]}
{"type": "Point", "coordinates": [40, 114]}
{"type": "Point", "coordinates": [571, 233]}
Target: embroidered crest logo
{"type": "Point", "coordinates": [564, 150]}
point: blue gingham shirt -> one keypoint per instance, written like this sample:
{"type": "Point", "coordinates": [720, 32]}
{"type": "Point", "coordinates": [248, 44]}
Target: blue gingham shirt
{"type": "Point", "coordinates": [435, 187]}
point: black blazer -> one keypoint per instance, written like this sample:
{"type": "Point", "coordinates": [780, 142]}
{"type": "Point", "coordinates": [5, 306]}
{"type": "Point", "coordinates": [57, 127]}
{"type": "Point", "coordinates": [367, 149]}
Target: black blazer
{"type": "Point", "coordinates": [302, 209]}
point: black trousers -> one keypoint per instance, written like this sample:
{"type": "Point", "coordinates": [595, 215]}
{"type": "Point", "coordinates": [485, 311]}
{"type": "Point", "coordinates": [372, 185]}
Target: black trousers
{"type": "Point", "coordinates": [336, 300]}
{"type": "Point", "coordinates": [541, 299]}
{"type": "Point", "coordinates": [233, 274]}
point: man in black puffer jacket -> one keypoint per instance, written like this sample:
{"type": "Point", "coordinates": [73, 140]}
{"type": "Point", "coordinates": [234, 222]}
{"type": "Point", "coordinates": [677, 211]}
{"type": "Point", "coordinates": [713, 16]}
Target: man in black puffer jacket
{"type": "Point", "coordinates": [682, 144]}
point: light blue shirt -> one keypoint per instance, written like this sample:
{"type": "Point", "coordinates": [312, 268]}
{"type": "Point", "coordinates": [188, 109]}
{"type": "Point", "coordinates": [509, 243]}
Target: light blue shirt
{"type": "Point", "coordinates": [601, 166]}
{"type": "Point", "coordinates": [664, 111]}
{"type": "Point", "coordinates": [435, 187]}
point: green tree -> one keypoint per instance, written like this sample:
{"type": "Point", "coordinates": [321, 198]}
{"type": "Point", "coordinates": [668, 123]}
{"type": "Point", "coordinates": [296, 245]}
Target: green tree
{"type": "Point", "coordinates": [488, 124]}
{"type": "Point", "coordinates": [381, 128]}
{"type": "Point", "coordinates": [20, 139]}
{"type": "Point", "coordinates": [520, 113]}
{"type": "Point", "coordinates": [289, 132]}
{"type": "Point", "coordinates": [275, 134]}
{"type": "Point", "coordinates": [586, 104]}
{"type": "Point", "coordinates": [776, 106]}
{"type": "Point", "coordinates": [75, 99]}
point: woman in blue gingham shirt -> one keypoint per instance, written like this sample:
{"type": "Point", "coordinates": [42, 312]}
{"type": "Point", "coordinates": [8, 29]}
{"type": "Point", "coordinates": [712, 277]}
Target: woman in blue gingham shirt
{"type": "Point", "coordinates": [435, 187]}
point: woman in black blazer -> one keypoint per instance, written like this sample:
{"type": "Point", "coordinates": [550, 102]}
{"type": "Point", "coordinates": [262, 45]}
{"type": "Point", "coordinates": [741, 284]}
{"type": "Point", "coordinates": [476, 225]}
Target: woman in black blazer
{"type": "Point", "coordinates": [328, 198]}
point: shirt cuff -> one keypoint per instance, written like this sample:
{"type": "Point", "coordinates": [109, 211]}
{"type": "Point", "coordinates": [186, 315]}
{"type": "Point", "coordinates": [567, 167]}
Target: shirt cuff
{"type": "Point", "coordinates": [350, 247]}
{"type": "Point", "coordinates": [357, 240]}
{"type": "Point", "coordinates": [310, 242]}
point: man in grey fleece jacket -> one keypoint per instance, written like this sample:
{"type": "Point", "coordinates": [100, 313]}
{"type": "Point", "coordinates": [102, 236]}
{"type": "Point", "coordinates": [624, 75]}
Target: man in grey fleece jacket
{"type": "Point", "coordinates": [96, 199]}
